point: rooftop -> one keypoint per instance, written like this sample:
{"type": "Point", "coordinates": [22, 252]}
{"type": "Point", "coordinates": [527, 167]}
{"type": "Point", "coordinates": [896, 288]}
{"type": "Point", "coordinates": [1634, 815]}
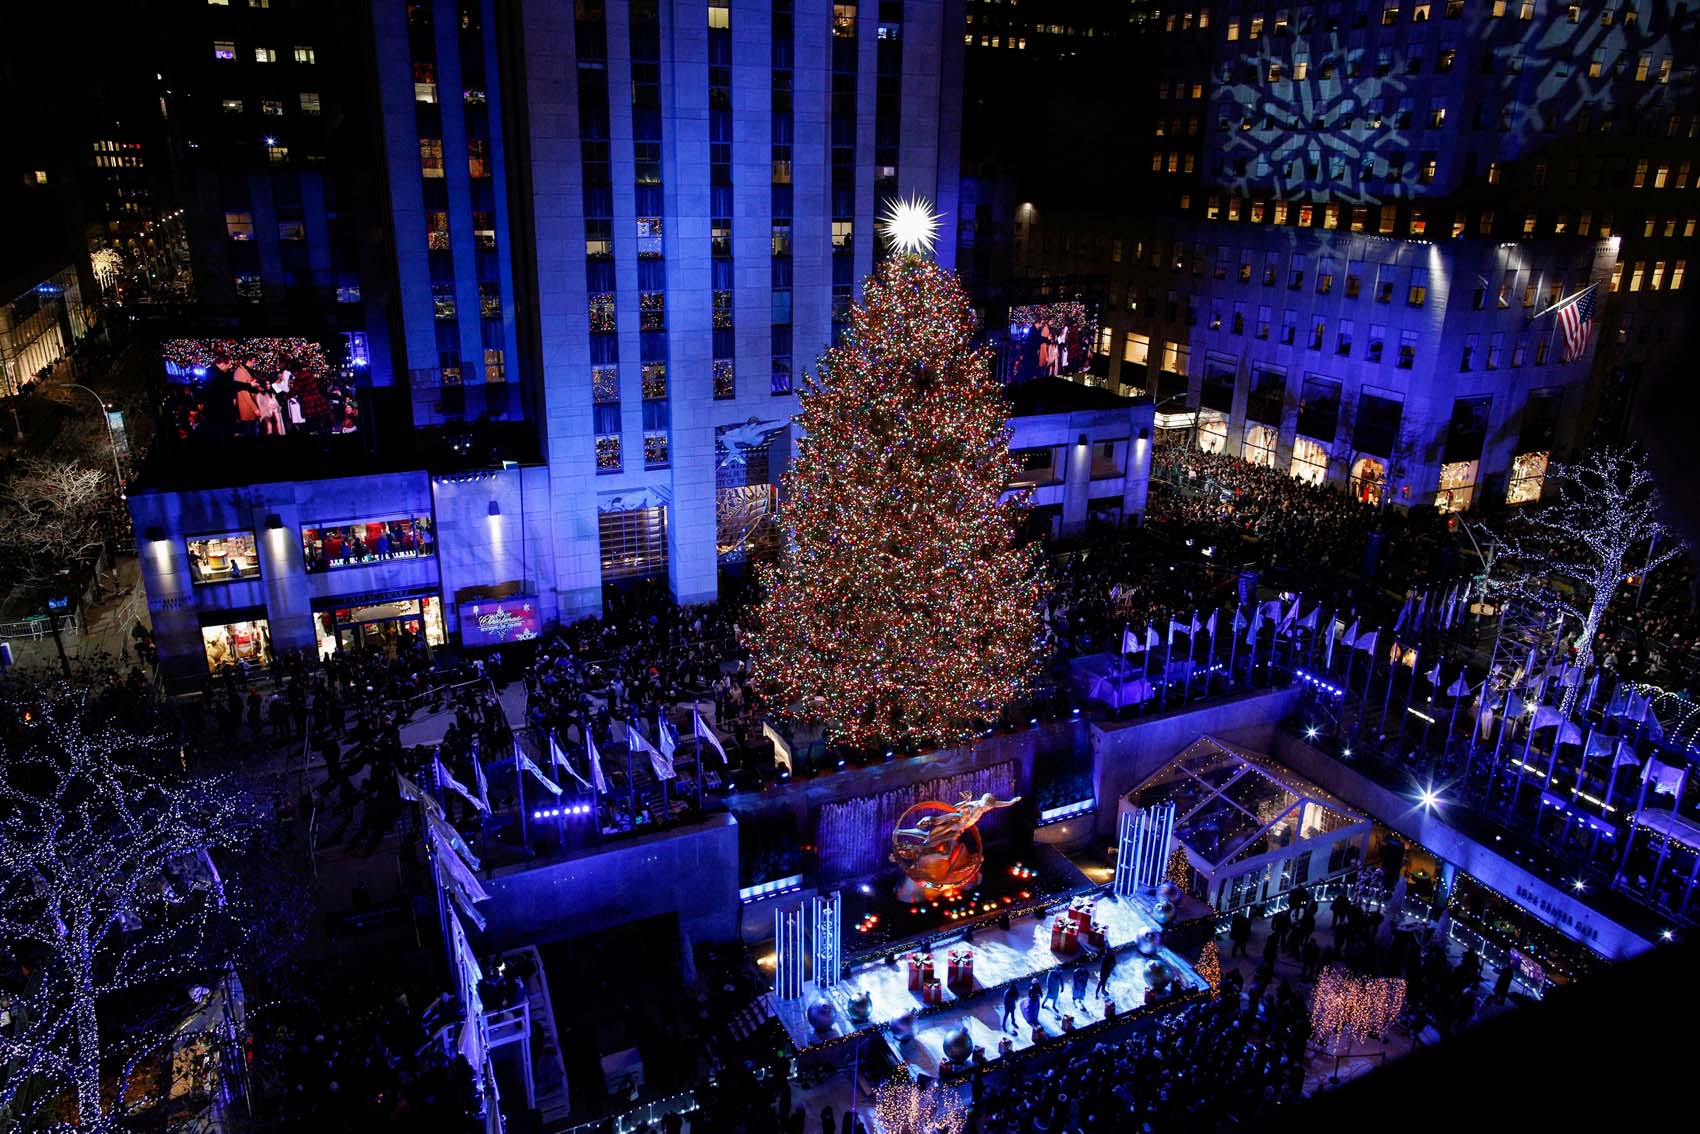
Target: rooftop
{"type": "Point", "coordinates": [1060, 395]}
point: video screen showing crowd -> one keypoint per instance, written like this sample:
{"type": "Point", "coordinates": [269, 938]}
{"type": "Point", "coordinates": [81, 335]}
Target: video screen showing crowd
{"type": "Point", "coordinates": [260, 387]}
{"type": "Point", "coordinates": [1051, 339]}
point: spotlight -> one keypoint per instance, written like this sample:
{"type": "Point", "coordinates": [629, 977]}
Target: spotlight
{"type": "Point", "coordinates": [1666, 935]}
{"type": "Point", "coordinates": [865, 888]}
{"type": "Point", "coordinates": [1429, 798]}
{"type": "Point", "coordinates": [1345, 752]}
{"type": "Point", "coordinates": [1578, 886]}
{"type": "Point", "coordinates": [1311, 732]}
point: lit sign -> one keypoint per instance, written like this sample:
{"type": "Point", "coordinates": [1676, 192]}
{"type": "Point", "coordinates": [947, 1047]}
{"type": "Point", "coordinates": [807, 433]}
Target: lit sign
{"type": "Point", "coordinates": [492, 622]}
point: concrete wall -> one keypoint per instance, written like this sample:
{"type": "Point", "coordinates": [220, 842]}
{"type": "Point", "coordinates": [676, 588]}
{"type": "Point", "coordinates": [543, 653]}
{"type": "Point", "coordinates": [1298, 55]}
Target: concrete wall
{"type": "Point", "coordinates": [1125, 753]}
{"type": "Point", "coordinates": [691, 872]}
{"type": "Point", "coordinates": [1556, 907]}
{"type": "Point", "coordinates": [1076, 490]}
{"type": "Point", "coordinates": [805, 799]}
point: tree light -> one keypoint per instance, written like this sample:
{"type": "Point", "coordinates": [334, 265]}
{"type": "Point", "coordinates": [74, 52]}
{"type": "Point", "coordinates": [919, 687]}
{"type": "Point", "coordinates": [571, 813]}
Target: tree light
{"type": "Point", "coordinates": [909, 225]}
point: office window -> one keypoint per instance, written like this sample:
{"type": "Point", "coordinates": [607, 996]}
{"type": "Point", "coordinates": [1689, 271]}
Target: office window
{"type": "Point", "coordinates": [305, 55]}
{"type": "Point", "coordinates": [272, 107]}
{"type": "Point", "coordinates": [1407, 349]}
{"type": "Point", "coordinates": [232, 106]}
{"type": "Point", "coordinates": [1377, 338]}
{"type": "Point", "coordinates": [265, 55]}
{"type": "Point", "coordinates": [310, 102]}
{"type": "Point", "coordinates": [239, 226]}
{"type": "Point", "coordinates": [477, 157]}
{"type": "Point", "coordinates": [489, 300]}
{"type": "Point", "coordinates": [431, 157]}
{"type": "Point", "coordinates": [1471, 344]}
{"type": "Point", "coordinates": [425, 82]}
{"type": "Point", "coordinates": [1417, 294]}
{"type": "Point", "coordinates": [224, 49]}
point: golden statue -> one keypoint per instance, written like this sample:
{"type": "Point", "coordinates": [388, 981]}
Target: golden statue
{"type": "Point", "coordinates": [938, 846]}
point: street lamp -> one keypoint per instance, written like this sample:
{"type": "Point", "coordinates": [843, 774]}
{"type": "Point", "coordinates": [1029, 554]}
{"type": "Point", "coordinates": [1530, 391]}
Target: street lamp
{"type": "Point", "coordinates": [117, 469]}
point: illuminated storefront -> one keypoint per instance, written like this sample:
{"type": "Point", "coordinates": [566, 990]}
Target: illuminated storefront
{"type": "Point", "coordinates": [1369, 479]}
{"type": "Point", "coordinates": [390, 627]}
{"type": "Point", "coordinates": [1260, 444]}
{"type": "Point", "coordinates": [227, 643]}
{"type": "Point", "coordinates": [1528, 478]}
{"type": "Point", "coordinates": [1310, 460]}
{"type": "Point", "coordinates": [1457, 486]}
{"type": "Point", "coordinates": [223, 558]}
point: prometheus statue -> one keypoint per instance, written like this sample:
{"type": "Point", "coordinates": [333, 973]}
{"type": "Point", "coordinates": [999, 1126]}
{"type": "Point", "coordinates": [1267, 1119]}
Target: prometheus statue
{"type": "Point", "coordinates": [938, 847]}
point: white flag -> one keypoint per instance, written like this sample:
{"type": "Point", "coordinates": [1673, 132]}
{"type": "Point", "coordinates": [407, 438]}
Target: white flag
{"type": "Point", "coordinates": [1625, 755]}
{"type": "Point", "coordinates": [1366, 642]}
{"type": "Point", "coordinates": [411, 791]}
{"type": "Point", "coordinates": [781, 750]}
{"type": "Point", "coordinates": [637, 742]}
{"type": "Point", "coordinates": [701, 731]}
{"type": "Point", "coordinates": [1211, 625]}
{"type": "Point", "coordinates": [1404, 613]}
{"type": "Point", "coordinates": [1664, 779]}
{"type": "Point", "coordinates": [1130, 643]}
{"type": "Point", "coordinates": [444, 832]}
{"type": "Point", "coordinates": [1309, 621]}
{"type": "Point", "coordinates": [1434, 675]}
{"type": "Point", "coordinates": [483, 784]}
{"type": "Point", "coordinates": [1460, 687]}
{"type": "Point", "coordinates": [1350, 637]}
{"type": "Point", "coordinates": [595, 758]}
{"type": "Point", "coordinates": [559, 759]}
{"type": "Point", "coordinates": [665, 737]}
{"type": "Point", "coordinates": [1292, 615]}
{"type": "Point", "coordinates": [536, 773]}
{"type": "Point", "coordinates": [457, 787]}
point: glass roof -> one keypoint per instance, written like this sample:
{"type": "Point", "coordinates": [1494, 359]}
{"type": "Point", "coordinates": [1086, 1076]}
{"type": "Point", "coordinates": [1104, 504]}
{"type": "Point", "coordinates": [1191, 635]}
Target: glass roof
{"type": "Point", "coordinates": [1232, 807]}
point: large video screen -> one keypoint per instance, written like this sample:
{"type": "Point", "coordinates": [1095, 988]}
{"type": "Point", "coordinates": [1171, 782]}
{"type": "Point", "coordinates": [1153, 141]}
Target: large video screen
{"type": "Point", "coordinates": [496, 622]}
{"type": "Point", "coordinates": [261, 387]}
{"type": "Point", "coordinates": [1051, 339]}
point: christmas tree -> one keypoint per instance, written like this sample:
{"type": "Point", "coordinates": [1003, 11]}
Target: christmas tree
{"type": "Point", "coordinates": [901, 609]}
{"type": "Point", "coordinates": [1210, 966]}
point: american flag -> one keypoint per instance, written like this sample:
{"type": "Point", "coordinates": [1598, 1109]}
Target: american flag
{"type": "Point", "coordinates": [1576, 320]}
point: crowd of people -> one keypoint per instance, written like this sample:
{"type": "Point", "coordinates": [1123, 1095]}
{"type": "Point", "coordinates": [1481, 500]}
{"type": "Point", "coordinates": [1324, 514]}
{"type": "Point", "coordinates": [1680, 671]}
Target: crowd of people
{"type": "Point", "coordinates": [1204, 1062]}
{"type": "Point", "coordinates": [359, 1057]}
{"type": "Point", "coordinates": [1290, 527]}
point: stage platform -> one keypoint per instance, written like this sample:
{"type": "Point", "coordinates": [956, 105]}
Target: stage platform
{"type": "Point", "coordinates": [1001, 956]}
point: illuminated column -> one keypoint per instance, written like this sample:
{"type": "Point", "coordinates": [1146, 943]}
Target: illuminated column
{"type": "Point", "coordinates": [826, 918]}
{"type": "Point", "coordinates": [1142, 853]}
{"type": "Point", "coordinates": [789, 953]}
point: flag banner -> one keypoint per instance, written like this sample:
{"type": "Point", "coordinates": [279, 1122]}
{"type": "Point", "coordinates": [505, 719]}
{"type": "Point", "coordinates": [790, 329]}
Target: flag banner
{"type": "Point", "coordinates": [1599, 744]}
{"type": "Point", "coordinates": [1366, 642]}
{"type": "Point", "coordinates": [1309, 621]}
{"type": "Point", "coordinates": [1292, 614]}
{"type": "Point", "coordinates": [445, 832]}
{"type": "Point", "coordinates": [1182, 628]}
{"type": "Point", "coordinates": [1460, 687]}
{"type": "Point", "coordinates": [595, 757]}
{"type": "Point", "coordinates": [1568, 733]}
{"type": "Point", "coordinates": [1625, 754]}
{"type": "Point", "coordinates": [412, 791]}
{"type": "Point", "coordinates": [638, 743]}
{"type": "Point", "coordinates": [454, 871]}
{"type": "Point", "coordinates": [1545, 717]}
{"type": "Point", "coordinates": [1150, 637]}
{"type": "Point", "coordinates": [483, 784]}
{"type": "Point", "coordinates": [1350, 637]}
{"type": "Point", "coordinates": [665, 737]}
{"type": "Point", "coordinates": [701, 731]}
{"type": "Point", "coordinates": [1131, 643]}
{"type": "Point", "coordinates": [1404, 613]}
{"type": "Point", "coordinates": [1635, 708]}
{"type": "Point", "coordinates": [781, 750]}
{"type": "Point", "coordinates": [1211, 624]}
{"type": "Point", "coordinates": [1433, 675]}
{"type": "Point", "coordinates": [462, 903]}
{"type": "Point", "coordinates": [527, 765]}
{"type": "Point", "coordinates": [1619, 701]}
{"type": "Point", "coordinates": [1272, 609]}
{"type": "Point", "coordinates": [1239, 622]}
{"type": "Point", "coordinates": [1664, 779]}
{"type": "Point", "coordinates": [454, 785]}
{"type": "Point", "coordinates": [1576, 322]}
{"type": "Point", "coordinates": [558, 759]}
{"type": "Point", "coordinates": [1422, 610]}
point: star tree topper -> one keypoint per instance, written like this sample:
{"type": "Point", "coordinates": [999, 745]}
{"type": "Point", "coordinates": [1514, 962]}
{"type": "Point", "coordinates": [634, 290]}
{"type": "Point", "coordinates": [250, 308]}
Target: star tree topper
{"type": "Point", "coordinates": [909, 224]}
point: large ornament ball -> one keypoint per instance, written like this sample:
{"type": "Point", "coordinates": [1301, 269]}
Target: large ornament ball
{"type": "Point", "coordinates": [861, 1007]}
{"type": "Point", "coordinates": [1168, 891]}
{"type": "Point", "coordinates": [904, 1027]}
{"type": "Point", "coordinates": [1148, 942]}
{"type": "Point", "coordinates": [958, 1045]}
{"type": "Point", "coordinates": [1157, 974]}
{"type": "Point", "coordinates": [1163, 911]}
{"type": "Point", "coordinates": [821, 1013]}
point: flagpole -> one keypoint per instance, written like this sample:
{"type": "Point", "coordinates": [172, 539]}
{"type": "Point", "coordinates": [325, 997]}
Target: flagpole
{"type": "Point", "coordinates": [1186, 689]}
{"type": "Point", "coordinates": [1148, 652]}
{"type": "Point", "coordinates": [1523, 765]}
{"type": "Point", "coordinates": [519, 786]}
{"type": "Point", "coordinates": [1233, 645]}
{"type": "Point", "coordinates": [1387, 697]}
{"type": "Point", "coordinates": [1210, 663]}
{"type": "Point", "coordinates": [1168, 658]}
{"type": "Point", "coordinates": [560, 800]}
{"type": "Point", "coordinates": [1499, 741]}
{"type": "Point", "coordinates": [1629, 823]}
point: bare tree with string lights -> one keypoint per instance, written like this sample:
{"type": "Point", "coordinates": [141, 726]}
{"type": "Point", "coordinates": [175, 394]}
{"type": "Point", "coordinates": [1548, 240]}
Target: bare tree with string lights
{"type": "Point", "coordinates": [902, 607]}
{"type": "Point", "coordinates": [1600, 529]}
{"type": "Point", "coordinates": [109, 901]}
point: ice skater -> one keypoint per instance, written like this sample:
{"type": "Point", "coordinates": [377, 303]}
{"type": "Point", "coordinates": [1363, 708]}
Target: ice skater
{"type": "Point", "coordinates": [1011, 996]}
{"type": "Point", "coordinates": [1053, 988]}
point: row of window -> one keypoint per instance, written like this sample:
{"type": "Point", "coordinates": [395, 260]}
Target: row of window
{"type": "Point", "coordinates": [307, 101]}
{"type": "Point", "coordinates": [226, 49]}
{"type": "Point", "coordinates": [225, 557]}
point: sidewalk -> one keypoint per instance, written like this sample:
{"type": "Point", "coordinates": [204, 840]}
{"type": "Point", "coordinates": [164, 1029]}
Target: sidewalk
{"type": "Point", "coordinates": [104, 634]}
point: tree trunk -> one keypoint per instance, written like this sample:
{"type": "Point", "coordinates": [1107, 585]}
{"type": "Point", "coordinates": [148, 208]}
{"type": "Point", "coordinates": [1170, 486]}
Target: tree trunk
{"type": "Point", "coordinates": [86, 1062]}
{"type": "Point", "coordinates": [1584, 652]}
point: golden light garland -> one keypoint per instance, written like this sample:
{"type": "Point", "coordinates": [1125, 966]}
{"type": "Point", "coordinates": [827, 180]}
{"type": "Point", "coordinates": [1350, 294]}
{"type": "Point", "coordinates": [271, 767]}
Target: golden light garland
{"type": "Point", "coordinates": [1347, 1006]}
{"type": "Point", "coordinates": [1209, 966]}
{"type": "Point", "coordinates": [902, 1107]}
{"type": "Point", "coordinates": [902, 609]}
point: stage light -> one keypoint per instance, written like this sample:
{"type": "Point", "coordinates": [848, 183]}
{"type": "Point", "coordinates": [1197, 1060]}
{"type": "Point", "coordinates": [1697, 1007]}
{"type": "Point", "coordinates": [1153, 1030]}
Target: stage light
{"type": "Point", "coordinates": [1578, 886]}
{"type": "Point", "coordinates": [865, 888]}
{"type": "Point", "coordinates": [1429, 798]}
{"type": "Point", "coordinates": [1666, 935]}
{"type": "Point", "coordinates": [1311, 732]}
{"type": "Point", "coordinates": [1345, 752]}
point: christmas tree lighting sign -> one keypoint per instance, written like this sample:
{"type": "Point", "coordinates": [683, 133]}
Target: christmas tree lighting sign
{"type": "Point", "coordinates": [495, 622]}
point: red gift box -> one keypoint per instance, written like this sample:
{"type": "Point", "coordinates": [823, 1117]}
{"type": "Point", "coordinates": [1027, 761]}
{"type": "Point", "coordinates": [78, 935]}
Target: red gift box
{"type": "Point", "coordinates": [932, 992]}
{"type": "Point", "coordinates": [920, 969]}
{"type": "Point", "coordinates": [1081, 912]}
{"type": "Point", "coordinates": [1097, 935]}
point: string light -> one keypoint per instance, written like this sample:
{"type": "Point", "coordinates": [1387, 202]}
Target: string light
{"type": "Point", "coordinates": [1347, 1007]}
{"type": "Point", "coordinates": [901, 1105]}
{"type": "Point", "coordinates": [902, 609]}
{"type": "Point", "coordinates": [269, 354]}
{"type": "Point", "coordinates": [1210, 966]}
{"type": "Point", "coordinates": [107, 885]}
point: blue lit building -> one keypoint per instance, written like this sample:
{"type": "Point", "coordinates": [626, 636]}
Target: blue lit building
{"type": "Point", "coordinates": [1358, 215]}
